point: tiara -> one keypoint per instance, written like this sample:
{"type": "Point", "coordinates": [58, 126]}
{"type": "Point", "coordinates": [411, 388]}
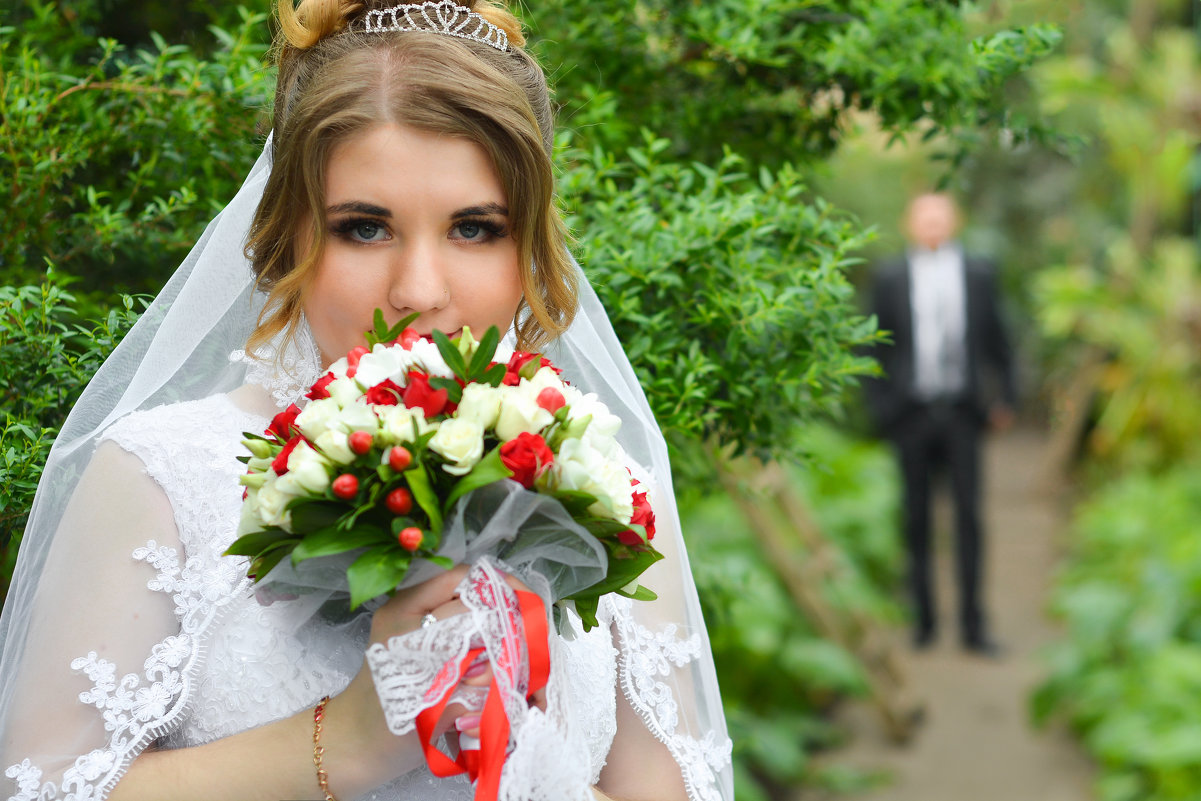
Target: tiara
{"type": "Point", "coordinates": [445, 17]}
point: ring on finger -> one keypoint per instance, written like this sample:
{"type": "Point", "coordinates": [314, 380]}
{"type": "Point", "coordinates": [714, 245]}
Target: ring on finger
{"type": "Point", "coordinates": [428, 620]}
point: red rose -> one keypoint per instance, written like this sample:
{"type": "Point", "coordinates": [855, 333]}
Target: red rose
{"type": "Point", "coordinates": [420, 395]}
{"type": "Point", "coordinates": [385, 393]}
{"type": "Point", "coordinates": [281, 426]}
{"type": "Point", "coordinates": [528, 457]}
{"type": "Point", "coordinates": [643, 516]}
{"type": "Point", "coordinates": [280, 463]}
{"type": "Point", "coordinates": [407, 338]}
{"type": "Point", "coordinates": [520, 366]}
{"type": "Point", "coordinates": [319, 390]}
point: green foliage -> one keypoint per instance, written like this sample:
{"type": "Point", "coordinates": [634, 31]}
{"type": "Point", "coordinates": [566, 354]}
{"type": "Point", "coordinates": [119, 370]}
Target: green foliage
{"type": "Point", "coordinates": [47, 356]}
{"type": "Point", "coordinates": [727, 290]}
{"type": "Point", "coordinates": [1128, 676]}
{"type": "Point", "coordinates": [1144, 315]}
{"type": "Point", "coordinates": [777, 80]}
{"type": "Point", "coordinates": [116, 160]}
{"type": "Point", "coordinates": [778, 677]}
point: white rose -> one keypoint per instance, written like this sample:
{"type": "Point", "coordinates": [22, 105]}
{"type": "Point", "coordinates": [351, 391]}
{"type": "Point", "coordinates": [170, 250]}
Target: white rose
{"type": "Point", "coordinates": [581, 467]}
{"type": "Point", "coordinates": [401, 424]}
{"type": "Point", "coordinates": [520, 413]}
{"type": "Point", "coordinates": [271, 506]}
{"type": "Point", "coordinates": [344, 391]}
{"type": "Point", "coordinates": [545, 377]}
{"type": "Point", "coordinates": [601, 432]}
{"type": "Point", "coordinates": [309, 469]}
{"type": "Point", "coordinates": [335, 446]}
{"type": "Point", "coordinates": [461, 442]}
{"type": "Point", "coordinates": [427, 357]}
{"type": "Point", "coordinates": [481, 404]}
{"type": "Point", "coordinates": [318, 417]}
{"type": "Point", "coordinates": [339, 367]}
{"type": "Point", "coordinates": [357, 417]}
{"type": "Point", "coordinates": [383, 362]}
{"type": "Point", "coordinates": [250, 520]}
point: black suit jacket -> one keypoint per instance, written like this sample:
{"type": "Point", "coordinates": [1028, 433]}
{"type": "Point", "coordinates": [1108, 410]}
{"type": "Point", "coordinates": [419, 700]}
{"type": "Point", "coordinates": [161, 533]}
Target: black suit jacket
{"type": "Point", "coordinates": [989, 357]}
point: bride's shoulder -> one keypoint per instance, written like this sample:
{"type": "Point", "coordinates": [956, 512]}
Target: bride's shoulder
{"type": "Point", "coordinates": [213, 423]}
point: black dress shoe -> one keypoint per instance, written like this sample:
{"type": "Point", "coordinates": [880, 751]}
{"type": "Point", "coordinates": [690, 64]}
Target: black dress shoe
{"type": "Point", "coordinates": [984, 646]}
{"type": "Point", "coordinates": [923, 639]}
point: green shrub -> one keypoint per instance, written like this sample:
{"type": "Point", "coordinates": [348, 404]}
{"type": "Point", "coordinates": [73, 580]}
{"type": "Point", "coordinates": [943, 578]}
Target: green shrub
{"type": "Point", "coordinates": [1128, 674]}
{"type": "Point", "coordinates": [47, 355]}
{"type": "Point", "coordinates": [116, 160]}
{"type": "Point", "coordinates": [778, 677]}
{"type": "Point", "coordinates": [727, 289]}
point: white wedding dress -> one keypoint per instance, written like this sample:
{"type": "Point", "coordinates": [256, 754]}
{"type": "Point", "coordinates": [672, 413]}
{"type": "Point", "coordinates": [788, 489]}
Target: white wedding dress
{"type": "Point", "coordinates": [179, 650]}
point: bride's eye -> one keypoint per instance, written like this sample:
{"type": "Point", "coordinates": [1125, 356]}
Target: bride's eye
{"type": "Point", "coordinates": [477, 231]}
{"type": "Point", "coordinates": [359, 230]}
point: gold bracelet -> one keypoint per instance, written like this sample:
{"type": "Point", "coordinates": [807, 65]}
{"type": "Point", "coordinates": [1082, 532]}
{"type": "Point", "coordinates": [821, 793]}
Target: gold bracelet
{"type": "Point", "coordinates": [319, 750]}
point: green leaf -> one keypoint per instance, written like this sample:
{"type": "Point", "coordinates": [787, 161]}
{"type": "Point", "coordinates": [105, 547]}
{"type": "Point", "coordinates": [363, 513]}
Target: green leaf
{"type": "Point", "coordinates": [333, 540]}
{"type": "Point", "coordinates": [621, 570]}
{"type": "Point", "coordinates": [489, 470]}
{"type": "Point", "coordinates": [484, 353]}
{"type": "Point", "coordinates": [266, 561]}
{"type": "Point", "coordinates": [454, 392]}
{"type": "Point", "coordinates": [376, 572]}
{"type": "Point", "coordinates": [586, 607]}
{"type": "Point", "coordinates": [575, 502]}
{"type": "Point", "coordinates": [254, 543]}
{"type": "Point", "coordinates": [640, 594]}
{"type": "Point", "coordinates": [423, 494]}
{"type": "Point", "coordinates": [451, 355]}
{"type": "Point", "coordinates": [494, 376]}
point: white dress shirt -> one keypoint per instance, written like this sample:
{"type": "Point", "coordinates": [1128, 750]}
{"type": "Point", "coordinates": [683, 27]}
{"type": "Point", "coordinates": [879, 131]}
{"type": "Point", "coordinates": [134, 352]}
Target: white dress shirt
{"type": "Point", "coordinates": [938, 299]}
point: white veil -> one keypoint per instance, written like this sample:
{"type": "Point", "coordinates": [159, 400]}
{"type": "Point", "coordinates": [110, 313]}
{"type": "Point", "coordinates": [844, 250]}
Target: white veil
{"type": "Point", "coordinates": [180, 351]}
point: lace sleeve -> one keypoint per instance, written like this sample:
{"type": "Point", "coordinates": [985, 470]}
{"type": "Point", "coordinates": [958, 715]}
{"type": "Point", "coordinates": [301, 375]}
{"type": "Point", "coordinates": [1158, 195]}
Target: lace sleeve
{"type": "Point", "coordinates": [105, 662]}
{"type": "Point", "coordinates": [666, 673]}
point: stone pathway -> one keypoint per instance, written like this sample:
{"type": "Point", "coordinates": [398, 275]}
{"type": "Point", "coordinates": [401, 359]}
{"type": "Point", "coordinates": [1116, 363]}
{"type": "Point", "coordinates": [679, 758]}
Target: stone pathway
{"type": "Point", "coordinates": [977, 743]}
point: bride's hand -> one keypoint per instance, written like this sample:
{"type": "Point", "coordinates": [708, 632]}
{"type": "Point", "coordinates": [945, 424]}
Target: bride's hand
{"type": "Point", "coordinates": [384, 754]}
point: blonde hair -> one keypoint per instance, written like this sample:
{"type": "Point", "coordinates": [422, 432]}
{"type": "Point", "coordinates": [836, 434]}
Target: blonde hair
{"type": "Point", "coordinates": [335, 81]}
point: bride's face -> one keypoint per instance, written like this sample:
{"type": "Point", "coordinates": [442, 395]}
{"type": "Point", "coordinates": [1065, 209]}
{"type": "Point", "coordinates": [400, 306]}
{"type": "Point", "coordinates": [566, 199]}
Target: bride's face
{"type": "Point", "coordinates": [415, 222]}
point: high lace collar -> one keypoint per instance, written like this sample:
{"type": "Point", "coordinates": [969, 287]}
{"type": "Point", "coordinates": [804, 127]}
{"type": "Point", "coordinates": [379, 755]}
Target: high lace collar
{"type": "Point", "coordinates": [288, 372]}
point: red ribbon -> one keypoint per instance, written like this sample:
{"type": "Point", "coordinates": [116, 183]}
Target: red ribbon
{"type": "Point", "coordinates": [484, 766]}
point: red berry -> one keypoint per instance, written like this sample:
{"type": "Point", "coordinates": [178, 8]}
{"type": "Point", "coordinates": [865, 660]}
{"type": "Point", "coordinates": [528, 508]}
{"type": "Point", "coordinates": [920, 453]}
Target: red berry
{"type": "Point", "coordinates": [345, 486]}
{"type": "Point", "coordinates": [551, 399]}
{"type": "Point", "coordinates": [399, 458]}
{"type": "Point", "coordinates": [400, 501]}
{"type": "Point", "coordinates": [360, 441]}
{"type": "Point", "coordinates": [410, 538]}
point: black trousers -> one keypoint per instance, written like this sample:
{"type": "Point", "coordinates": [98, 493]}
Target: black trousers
{"type": "Point", "coordinates": [934, 438]}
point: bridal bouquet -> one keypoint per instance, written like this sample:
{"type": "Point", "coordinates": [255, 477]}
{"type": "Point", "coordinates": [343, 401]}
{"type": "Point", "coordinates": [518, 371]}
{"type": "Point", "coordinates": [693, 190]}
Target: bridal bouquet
{"type": "Point", "coordinates": [414, 449]}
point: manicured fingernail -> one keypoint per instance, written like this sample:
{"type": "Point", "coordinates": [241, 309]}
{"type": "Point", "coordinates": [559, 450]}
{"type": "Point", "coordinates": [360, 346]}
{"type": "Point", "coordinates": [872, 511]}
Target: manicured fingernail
{"type": "Point", "coordinates": [476, 669]}
{"type": "Point", "coordinates": [467, 722]}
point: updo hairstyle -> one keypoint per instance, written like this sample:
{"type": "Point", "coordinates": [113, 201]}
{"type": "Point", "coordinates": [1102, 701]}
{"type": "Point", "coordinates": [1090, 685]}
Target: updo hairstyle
{"type": "Point", "coordinates": [336, 81]}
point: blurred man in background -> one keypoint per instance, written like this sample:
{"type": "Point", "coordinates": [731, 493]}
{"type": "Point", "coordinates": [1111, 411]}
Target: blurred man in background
{"type": "Point", "coordinates": [948, 359]}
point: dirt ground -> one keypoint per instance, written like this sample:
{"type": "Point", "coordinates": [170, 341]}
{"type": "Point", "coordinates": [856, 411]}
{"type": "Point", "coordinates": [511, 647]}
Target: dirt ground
{"type": "Point", "coordinates": [977, 743]}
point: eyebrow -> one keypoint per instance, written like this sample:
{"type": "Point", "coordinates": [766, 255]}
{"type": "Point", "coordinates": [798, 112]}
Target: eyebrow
{"type": "Point", "coordinates": [482, 210]}
{"type": "Point", "coordinates": [371, 210]}
{"type": "Point", "coordinates": [358, 207]}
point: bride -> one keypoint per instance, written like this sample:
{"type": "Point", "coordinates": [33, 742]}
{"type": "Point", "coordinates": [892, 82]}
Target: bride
{"type": "Point", "coordinates": [409, 169]}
